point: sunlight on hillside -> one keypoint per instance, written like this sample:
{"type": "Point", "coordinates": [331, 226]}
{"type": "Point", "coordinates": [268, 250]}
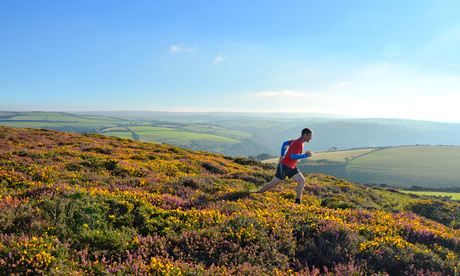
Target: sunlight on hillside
{"type": "Point", "coordinates": [93, 204]}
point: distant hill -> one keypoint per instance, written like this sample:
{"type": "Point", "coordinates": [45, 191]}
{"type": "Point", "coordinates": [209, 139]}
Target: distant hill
{"type": "Point", "coordinates": [92, 204]}
{"type": "Point", "coordinates": [242, 134]}
{"type": "Point", "coordinates": [346, 134]}
{"type": "Point", "coordinates": [271, 129]}
{"type": "Point", "coordinates": [198, 136]}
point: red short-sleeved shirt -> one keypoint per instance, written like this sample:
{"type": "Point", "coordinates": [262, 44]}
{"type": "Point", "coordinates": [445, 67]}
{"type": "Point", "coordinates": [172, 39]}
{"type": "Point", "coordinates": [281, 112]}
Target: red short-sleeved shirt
{"type": "Point", "coordinates": [295, 147]}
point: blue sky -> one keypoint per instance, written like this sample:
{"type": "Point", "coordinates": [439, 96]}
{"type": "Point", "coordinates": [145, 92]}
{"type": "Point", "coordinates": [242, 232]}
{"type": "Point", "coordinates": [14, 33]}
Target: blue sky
{"type": "Point", "coordinates": [350, 58]}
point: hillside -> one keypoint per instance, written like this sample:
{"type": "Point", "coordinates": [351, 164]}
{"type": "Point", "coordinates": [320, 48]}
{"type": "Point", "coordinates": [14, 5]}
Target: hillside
{"type": "Point", "coordinates": [92, 204]}
{"type": "Point", "coordinates": [59, 121]}
{"type": "Point", "coordinates": [427, 166]}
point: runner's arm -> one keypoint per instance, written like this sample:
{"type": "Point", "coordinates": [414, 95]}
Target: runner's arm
{"type": "Point", "coordinates": [284, 146]}
{"type": "Point", "coordinates": [299, 156]}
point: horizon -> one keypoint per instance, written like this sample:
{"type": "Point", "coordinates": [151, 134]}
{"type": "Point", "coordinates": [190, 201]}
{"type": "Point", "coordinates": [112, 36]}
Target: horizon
{"type": "Point", "coordinates": [353, 60]}
{"type": "Point", "coordinates": [285, 115]}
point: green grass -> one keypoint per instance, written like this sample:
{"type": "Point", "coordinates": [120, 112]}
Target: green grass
{"type": "Point", "coordinates": [29, 124]}
{"type": "Point", "coordinates": [429, 166]}
{"type": "Point", "coordinates": [84, 126]}
{"type": "Point", "coordinates": [168, 135]}
{"type": "Point", "coordinates": [339, 156]}
{"type": "Point", "coordinates": [120, 134]}
{"type": "Point", "coordinates": [58, 120]}
{"type": "Point", "coordinates": [454, 196]}
{"type": "Point", "coordinates": [176, 136]}
{"type": "Point", "coordinates": [57, 116]}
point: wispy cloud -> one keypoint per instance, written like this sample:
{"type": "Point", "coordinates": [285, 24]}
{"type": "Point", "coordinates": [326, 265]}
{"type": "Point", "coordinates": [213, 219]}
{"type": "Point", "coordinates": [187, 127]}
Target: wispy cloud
{"type": "Point", "coordinates": [453, 64]}
{"type": "Point", "coordinates": [279, 94]}
{"type": "Point", "coordinates": [176, 48]}
{"type": "Point", "coordinates": [219, 59]}
{"type": "Point", "coordinates": [392, 50]}
{"type": "Point", "coordinates": [445, 42]}
{"type": "Point", "coordinates": [376, 90]}
{"type": "Point", "coordinates": [341, 84]}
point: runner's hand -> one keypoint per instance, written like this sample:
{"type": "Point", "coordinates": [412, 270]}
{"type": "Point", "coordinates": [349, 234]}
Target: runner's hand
{"type": "Point", "coordinates": [309, 153]}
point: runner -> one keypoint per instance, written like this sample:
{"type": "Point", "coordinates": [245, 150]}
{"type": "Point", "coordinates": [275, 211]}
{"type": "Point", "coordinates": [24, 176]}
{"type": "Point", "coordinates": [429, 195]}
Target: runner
{"type": "Point", "coordinates": [287, 164]}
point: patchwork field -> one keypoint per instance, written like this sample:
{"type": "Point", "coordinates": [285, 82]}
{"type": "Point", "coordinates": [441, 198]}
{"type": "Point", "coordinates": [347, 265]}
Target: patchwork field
{"type": "Point", "coordinates": [176, 136]}
{"type": "Point", "coordinates": [197, 136]}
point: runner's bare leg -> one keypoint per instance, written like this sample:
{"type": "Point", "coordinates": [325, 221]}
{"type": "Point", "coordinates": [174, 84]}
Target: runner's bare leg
{"type": "Point", "coordinates": [270, 185]}
{"type": "Point", "coordinates": [298, 177]}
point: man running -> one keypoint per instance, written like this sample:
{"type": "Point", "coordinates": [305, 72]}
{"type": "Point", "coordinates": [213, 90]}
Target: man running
{"type": "Point", "coordinates": [287, 164]}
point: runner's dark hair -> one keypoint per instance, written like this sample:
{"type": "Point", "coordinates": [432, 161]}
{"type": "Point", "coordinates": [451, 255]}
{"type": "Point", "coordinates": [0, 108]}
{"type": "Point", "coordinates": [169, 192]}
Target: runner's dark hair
{"type": "Point", "coordinates": [306, 131]}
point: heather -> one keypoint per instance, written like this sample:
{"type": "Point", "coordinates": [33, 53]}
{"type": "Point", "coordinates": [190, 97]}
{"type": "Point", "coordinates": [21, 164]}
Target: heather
{"type": "Point", "coordinates": [90, 204]}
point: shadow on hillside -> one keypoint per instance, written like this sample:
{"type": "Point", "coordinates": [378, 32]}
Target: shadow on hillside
{"type": "Point", "coordinates": [233, 196]}
{"type": "Point", "coordinates": [204, 201]}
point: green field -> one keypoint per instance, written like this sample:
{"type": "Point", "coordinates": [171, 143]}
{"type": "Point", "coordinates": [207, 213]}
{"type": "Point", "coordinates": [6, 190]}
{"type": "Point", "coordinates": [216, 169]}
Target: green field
{"type": "Point", "coordinates": [182, 135]}
{"type": "Point", "coordinates": [199, 136]}
{"type": "Point", "coordinates": [177, 136]}
{"type": "Point", "coordinates": [454, 196]}
{"type": "Point", "coordinates": [429, 166]}
{"type": "Point", "coordinates": [59, 121]}
{"type": "Point", "coordinates": [340, 156]}
{"type": "Point", "coordinates": [120, 134]}
{"type": "Point", "coordinates": [170, 135]}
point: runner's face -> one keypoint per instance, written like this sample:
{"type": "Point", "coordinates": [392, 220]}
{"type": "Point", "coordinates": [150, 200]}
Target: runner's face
{"type": "Point", "coordinates": [307, 137]}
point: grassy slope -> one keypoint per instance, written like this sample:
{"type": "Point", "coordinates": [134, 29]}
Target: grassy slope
{"type": "Point", "coordinates": [58, 120]}
{"type": "Point", "coordinates": [75, 203]}
{"type": "Point", "coordinates": [340, 156]}
{"type": "Point", "coordinates": [452, 195]}
{"type": "Point", "coordinates": [176, 136]}
{"type": "Point", "coordinates": [422, 166]}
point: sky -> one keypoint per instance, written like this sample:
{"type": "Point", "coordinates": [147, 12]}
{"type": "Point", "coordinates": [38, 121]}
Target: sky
{"type": "Point", "coordinates": [385, 59]}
